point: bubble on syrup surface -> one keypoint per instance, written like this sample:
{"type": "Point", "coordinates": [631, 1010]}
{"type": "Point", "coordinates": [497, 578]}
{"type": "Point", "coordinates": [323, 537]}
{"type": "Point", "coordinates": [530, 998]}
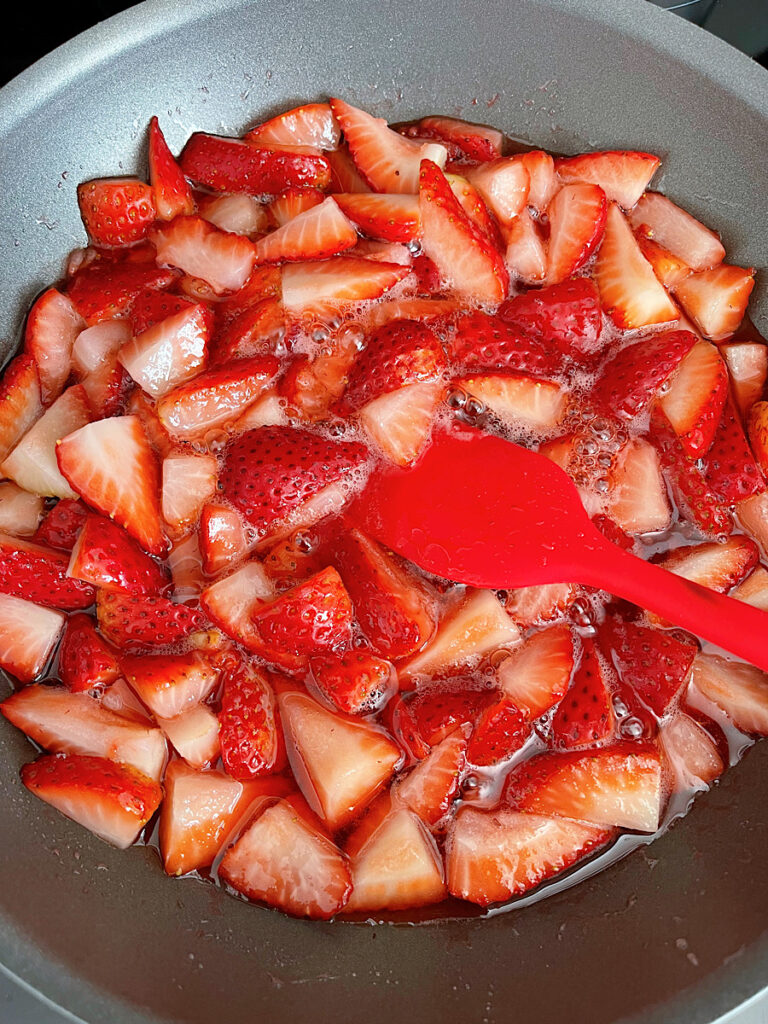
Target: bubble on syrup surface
{"type": "Point", "coordinates": [456, 399]}
{"type": "Point", "coordinates": [632, 728]}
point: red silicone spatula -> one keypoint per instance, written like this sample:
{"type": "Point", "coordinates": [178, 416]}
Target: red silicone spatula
{"type": "Point", "coordinates": [480, 510]}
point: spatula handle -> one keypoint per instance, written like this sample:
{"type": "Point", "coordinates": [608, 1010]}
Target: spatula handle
{"type": "Point", "coordinates": [730, 624]}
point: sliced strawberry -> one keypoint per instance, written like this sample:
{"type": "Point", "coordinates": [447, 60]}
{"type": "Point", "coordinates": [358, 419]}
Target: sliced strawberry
{"type": "Point", "coordinates": [312, 386]}
{"type": "Point", "coordinates": [535, 606]}
{"type": "Point", "coordinates": [676, 230]}
{"type": "Point", "coordinates": [430, 310]}
{"type": "Point", "coordinates": [483, 342]}
{"type": "Point", "coordinates": [499, 732]}
{"type": "Point", "coordinates": [504, 184]}
{"type": "Point", "coordinates": [692, 754]}
{"type": "Point", "coordinates": [106, 557]}
{"type": "Point", "coordinates": [619, 785]}
{"type": "Point", "coordinates": [565, 315]}
{"type": "Point", "coordinates": [622, 175]}
{"type": "Point", "coordinates": [230, 601]}
{"type": "Point", "coordinates": [284, 860]}
{"type": "Point", "coordinates": [198, 248]}
{"type": "Point", "coordinates": [718, 566]}
{"type": "Point", "coordinates": [94, 360]}
{"type": "Point", "coordinates": [114, 801]}
{"type": "Point", "coordinates": [740, 690]}
{"type": "Point", "coordinates": [731, 469]}
{"type": "Point", "coordinates": [185, 564]}
{"type": "Point", "coordinates": [231, 165]}
{"type": "Point", "coordinates": [757, 424]}
{"type": "Point", "coordinates": [170, 684]}
{"type": "Point", "coordinates": [52, 326]}
{"type": "Point", "coordinates": [517, 400]}
{"type": "Point", "coordinates": [238, 214]}
{"type": "Point", "coordinates": [103, 291]}
{"type": "Point", "coordinates": [224, 540]}
{"type": "Point", "coordinates": [396, 610]}
{"type": "Point", "coordinates": [20, 401]}
{"type": "Point", "coordinates": [399, 353]}
{"type": "Point", "coordinates": [292, 202]}
{"type": "Point", "coordinates": [355, 681]}
{"type": "Point", "coordinates": [494, 855]}
{"type": "Point", "coordinates": [474, 142]}
{"type": "Point", "coordinates": [430, 788]}
{"type": "Point", "coordinates": [752, 515]}
{"type": "Point", "coordinates": [172, 194]}
{"type": "Point", "coordinates": [537, 675]}
{"type": "Point", "coordinates": [473, 629]}
{"type": "Point", "coordinates": [170, 352]}
{"type": "Point", "coordinates": [135, 622]}
{"type": "Point", "coordinates": [86, 661]}
{"type": "Point", "coordinates": [467, 261]}
{"type": "Point", "coordinates": [390, 217]}
{"type": "Point", "coordinates": [577, 220]}
{"type": "Point", "coordinates": [20, 511]}
{"type": "Point", "coordinates": [75, 723]}
{"type": "Point", "coordinates": [747, 363]}
{"type": "Point", "coordinates": [28, 635]}
{"type": "Point", "coordinates": [526, 254]}
{"type": "Point", "coordinates": [340, 763]}
{"type": "Point", "coordinates": [116, 211]}
{"type": "Point", "coordinates": [189, 481]}
{"type": "Point", "coordinates": [694, 401]}
{"type": "Point", "coordinates": [400, 422]}
{"type": "Point", "coordinates": [318, 233]}
{"type": "Point", "coordinates": [638, 495]}
{"type": "Point", "coordinates": [543, 180]}
{"type": "Point", "coordinates": [309, 287]}
{"type": "Point", "coordinates": [60, 527]}
{"type": "Point", "coordinates": [716, 299]}
{"type": "Point", "coordinates": [251, 740]}
{"type": "Point", "coordinates": [754, 589]}
{"type": "Point", "coordinates": [257, 332]}
{"type": "Point", "coordinates": [669, 269]}
{"type": "Point", "coordinates": [310, 125]}
{"type": "Point", "coordinates": [585, 715]}
{"type": "Point", "coordinates": [631, 378]}
{"type": "Point", "coordinates": [629, 290]}
{"type": "Point", "coordinates": [345, 177]}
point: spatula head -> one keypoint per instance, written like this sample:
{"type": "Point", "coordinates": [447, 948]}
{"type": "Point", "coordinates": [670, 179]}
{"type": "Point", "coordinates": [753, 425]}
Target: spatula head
{"type": "Point", "coordinates": [480, 510]}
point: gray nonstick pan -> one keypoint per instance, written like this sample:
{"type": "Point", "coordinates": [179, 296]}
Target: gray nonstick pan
{"type": "Point", "coordinates": [675, 932]}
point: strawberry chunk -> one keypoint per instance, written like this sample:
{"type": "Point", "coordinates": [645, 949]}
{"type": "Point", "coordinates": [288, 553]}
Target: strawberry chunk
{"type": "Point", "coordinates": [757, 425]}
{"type": "Point", "coordinates": [224, 538]}
{"type": "Point", "coordinates": [653, 662]}
{"type": "Point", "coordinates": [400, 423]}
{"type": "Point", "coordinates": [716, 300]}
{"type": "Point", "coordinates": [387, 217]}
{"type": "Point", "coordinates": [356, 681]}
{"type": "Point", "coordinates": [396, 354]}
{"type": "Point", "coordinates": [566, 316]}
{"type": "Point", "coordinates": [731, 469]}
{"type": "Point", "coordinates": [483, 342]}
{"type": "Point", "coordinates": [631, 378]}
{"type": "Point", "coordinates": [623, 175]}
{"type": "Point", "coordinates": [292, 202]}
{"type": "Point", "coordinates": [86, 660]}
{"type": "Point", "coordinates": [475, 143]}
{"type": "Point", "coordinates": [517, 400]}
{"type": "Point", "coordinates": [585, 714]}
{"type": "Point", "coordinates": [747, 363]}
{"type": "Point", "coordinates": [430, 788]}
{"type": "Point", "coordinates": [440, 709]}
{"type": "Point", "coordinates": [526, 254]}
{"type": "Point", "coordinates": [638, 495]}
{"type": "Point", "coordinates": [135, 622]}
{"type": "Point", "coordinates": [535, 606]}
{"type": "Point", "coordinates": [116, 211]}
{"type": "Point", "coordinates": [52, 326]}
{"type": "Point", "coordinates": [28, 636]}
{"type": "Point", "coordinates": [694, 402]}
{"type": "Point", "coordinates": [20, 511]}
{"type": "Point", "coordinates": [318, 287]}
{"type": "Point", "coordinates": [62, 524]}
{"type": "Point", "coordinates": [312, 124]}
{"type": "Point", "coordinates": [231, 165]}
{"type": "Point", "coordinates": [222, 260]}
{"type": "Point", "coordinates": [577, 220]}
{"type": "Point", "coordinates": [238, 213]}
{"type": "Point", "coordinates": [170, 352]}
{"type": "Point", "coordinates": [499, 732]}
{"type": "Point", "coordinates": [171, 192]}
{"type": "Point", "coordinates": [537, 675]}
{"type": "Point", "coordinates": [170, 684]}
{"type": "Point", "coordinates": [105, 290]}
{"type": "Point", "coordinates": [315, 234]}
{"type": "Point", "coordinates": [39, 574]}
{"type": "Point", "coordinates": [669, 269]}
{"type": "Point", "coordinates": [105, 556]}
{"type": "Point", "coordinates": [345, 177]}
{"type": "Point", "coordinates": [503, 184]}
{"type": "Point", "coordinates": [251, 738]}
{"type": "Point", "coordinates": [20, 401]}
{"type": "Point", "coordinates": [738, 689]}
{"type": "Point", "coordinates": [691, 753]}
{"type": "Point", "coordinates": [718, 566]}
{"type": "Point", "coordinates": [189, 481]}
{"type": "Point", "coordinates": [677, 231]}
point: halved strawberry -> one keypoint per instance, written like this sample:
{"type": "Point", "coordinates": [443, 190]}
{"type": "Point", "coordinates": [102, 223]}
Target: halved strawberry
{"type": "Point", "coordinates": [116, 211]}
{"type": "Point", "coordinates": [172, 194]}
{"type": "Point", "coordinates": [86, 660]}
{"type": "Point", "coordinates": [718, 566]}
{"type": "Point", "coordinates": [731, 470]}
{"type": "Point", "coordinates": [494, 855]}
{"type": "Point", "coordinates": [251, 739]}
{"type": "Point", "coordinates": [676, 230]}
{"type": "Point", "coordinates": [286, 861]}
{"type": "Point", "coordinates": [622, 175]}
{"type": "Point", "coordinates": [653, 662]}
{"type": "Point", "coordinates": [566, 316]}
{"type": "Point", "coordinates": [504, 184]}
{"type": "Point", "coordinates": [390, 217]}
{"type": "Point", "coordinates": [189, 481]}
{"type": "Point", "coordinates": [312, 124]}
{"type": "Point", "coordinates": [135, 622]}
{"type": "Point", "coordinates": [224, 540]}
{"type": "Point", "coordinates": [577, 220]}
{"type": "Point", "coordinates": [75, 723]}
{"type": "Point", "coordinates": [535, 606]}
{"type": "Point", "coordinates": [694, 401]}
{"type": "Point", "coordinates": [747, 363]}
{"type": "Point", "coordinates": [28, 636]}
{"type": "Point", "coordinates": [170, 684]}
{"type": "Point", "coordinates": [198, 248]}
{"type": "Point", "coordinates": [476, 143]}
{"type": "Point", "coordinates": [500, 731]}
{"type": "Point", "coordinates": [631, 378]}
{"type": "Point", "coordinates": [106, 557]}
{"type": "Point", "coordinates": [691, 752]}
{"type": "Point", "coordinates": [355, 681]}
{"type": "Point", "coordinates": [170, 352]}
{"type": "Point", "coordinates": [483, 342]}
{"type": "Point", "coordinates": [619, 785]}
{"type": "Point", "coordinates": [526, 254]}
{"type": "Point", "coordinates": [39, 574]}
{"type": "Point", "coordinates": [585, 715]}
{"type": "Point", "coordinates": [20, 511]}
{"type": "Point", "coordinates": [112, 467]}
{"type": "Point", "coordinates": [629, 290]}
{"type": "Point", "coordinates": [716, 299]}
{"type": "Point", "coordinates": [669, 269]}
{"type": "Point", "coordinates": [238, 214]}
{"type": "Point", "coordinates": [740, 690]}
{"type": "Point", "coordinates": [316, 287]}
{"type": "Point", "coordinates": [537, 675]}
{"type": "Point", "coordinates": [638, 495]}
{"type": "Point", "coordinates": [467, 261]}
{"type": "Point", "coordinates": [230, 601]}
{"type": "Point", "coordinates": [52, 326]}
{"type": "Point", "coordinates": [400, 422]}
{"type": "Point", "coordinates": [430, 788]}
{"type": "Point", "coordinates": [104, 290]}
{"type": "Point", "coordinates": [232, 165]}
{"type": "Point", "coordinates": [318, 233]}
{"type": "Point", "coordinates": [473, 629]}
{"type": "Point", "coordinates": [20, 401]}
{"type": "Point", "coordinates": [62, 524]}
{"type": "Point", "coordinates": [339, 762]}
{"type": "Point", "coordinates": [114, 801]}
{"type": "Point", "coordinates": [517, 400]}
{"type": "Point", "coordinates": [293, 201]}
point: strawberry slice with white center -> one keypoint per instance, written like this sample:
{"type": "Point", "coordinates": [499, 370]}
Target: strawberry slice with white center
{"type": "Point", "coordinates": [20, 511]}
{"type": "Point", "coordinates": [170, 683]}
{"type": "Point", "coordinates": [105, 556]}
{"type": "Point", "coordinates": [543, 180]}
{"type": "Point", "coordinates": [339, 762]}
{"type": "Point", "coordinates": [397, 868]}
{"type": "Point", "coordinates": [467, 142]}
{"type": "Point", "coordinates": [345, 177]}
{"type": "Point", "coordinates": [494, 855]}
{"type": "Point", "coordinates": [747, 363]}
{"type": "Point", "coordinates": [474, 629]}
{"type": "Point", "coordinates": [185, 564]}
{"type": "Point", "coordinates": [198, 248]}
{"type": "Point", "coordinates": [639, 502]}
{"type": "Point", "coordinates": [52, 326]}
{"type": "Point", "coordinates": [201, 811]}
{"type": "Point", "coordinates": [731, 469]}
{"type": "Point", "coordinates": [716, 300]}
{"type": "Point", "coordinates": [752, 516]}
{"type": "Point", "coordinates": [619, 785]}
{"type": "Point", "coordinates": [526, 254]}
{"type": "Point", "coordinates": [517, 400]}
{"type": "Point", "coordinates": [585, 715]}
{"type": "Point", "coordinates": [318, 287]}
{"type": "Point", "coordinates": [503, 184]}
{"type": "Point", "coordinates": [316, 234]}
{"type": "Point", "coordinates": [224, 538]}
{"type": "Point", "coordinates": [312, 124]}
{"type": "Point", "coordinates": [20, 401]}
{"type": "Point", "coordinates": [292, 202]}
{"type": "Point", "coordinates": [466, 259]}
{"type": "Point", "coordinates": [577, 220]}
{"type": "Point", "coordinates": [389, 217]}
{"type": "Point", "coordinates": [170, 352]}
{"type": "Point", "coordinates": [28, 635]}
{"type": "Point", "coordinates": [754, 589]}
{"type": "Point", "coordinates": [94, 360]}
{"type": "Point", "coordinates": [33, 463]}
{"type": "Point", "coordinates": [669, 269]}
{"type": "Point", "coordinates": [251, 739]}
{"type": "Point", "coordinates": [113, 801]}
{"type": "Point", "coordinates": [238, 214]}
{"type": "Point", "coordinates": [430, 788]}
{"type": "Point", "coordinates": [718, 566]}
{"type": "Point", "coordinates": [535, 606]}
{"type": "Point", "coordinates": [116, 211]}
{"type": "Point", "coordinates": [757, 424]}
{"type": "Point", "coordinates": [111, 465]}
{"type": "Point", "coordinates": [536, 676]}
{"type": "Point", "coordinates": [676, 230]}
{"type": "Point", "coordinates": [189, 481]}
{"type": "Point", "coordinates": [740, 690]}
{"type": "Point", "coordinates": [388, 161]}
{"type": "Point", "coordinates": [172, 194]}
{"type": "Point", "coordinates": [75, 723]}
{"type": "Point", "coordinates": [233, 165]}
{"type": "Point", "coordinates": [283, 859]}
{"type": "Point", "coordinates": [230, 601]}
{"type": "Point", "coordinates": [692, 754]}
{"type": "Point", "coordinates": [695, 399]}
{"type": "Point", "coordinates": [631, 378]}
{"type": "Point", "coordinates": [623, 175]}
{"type": "Point", "coordinates": [400, 422]}
{"type": "Point", "coordinates": [629, 290]}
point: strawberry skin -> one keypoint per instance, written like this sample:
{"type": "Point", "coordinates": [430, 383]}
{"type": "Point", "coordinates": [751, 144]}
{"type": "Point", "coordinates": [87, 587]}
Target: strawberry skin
{"type": "Point", "coordinates": [151, 306]}
{"type": "Point", "coordinates": [355, 681]}
{"type": "Point", "coordinates": [250, 734]}
{"type": "Point", "coordinates": [116, 211]}
{"type": "Point", "coordinates": [136, 622]}
{"type": "Point", "coordinates": [231, 165]}
{"type": "Point", "coordinates": [500, 731]}
{"type": "Point", "coordinates": [731, 471]}
{"type": "Point", "coordinates": [61, 526]}
{"type": "Point", "coordinates": [653, 662]}
{"type": "Point", "coordinates": [388, 217]}
{"type": "Point", "coordinates": [397, 354]}
{"type": "Point", "coordinates": [441, 708]}
{"type": "Point", "coordinates": [631, 378]}
{"type": "Point", "coordinates": [172, 194]}
{"type": "Point", "coordinates": [105, 556]}
{"type": "Point", "coordinates": [483, 342]}
{"type": "Point", "coordinates": [694, 401]}
{"type": "Point", "coordinates": [86, 660]}
{"type": "Point", "coordinates": [565, 315]}
{"type": "Point", "coordinates": [585, 715]}
{"type": "Point", "coordinates": [40, 575]}
{"type": "Point", "coordinates": [105, 290]}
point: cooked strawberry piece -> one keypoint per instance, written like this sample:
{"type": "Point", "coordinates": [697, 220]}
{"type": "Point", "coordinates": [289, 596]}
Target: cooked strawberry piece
{"type": "Point", "coordinates": [135, 622]}
{"type": "Point", "coordinates": [52, 326]}
{"type": "Point", "coordinates": [339, 762]}
{"type": "Point", "coordinates": [318, 287]}
{"type": "Point", "coordinates": [400, 422]}
{"type": "Point", "coordinates": [39, 574]}
{"type": "Point", "coordinates": [694, 401]}
{"type": "Point", "coordinates": [537, 675]}
{"type": "Point", "coordinates": [152, 306]}
{"type": "Point", "coordinates": [113, 801]}
{"type": "Point", "coordinates": [467, 261]}
{"type": "Point", "coordinates": [691, 753]}
{"type": "Point", "coordinates": [354, 681]}
{"type": "Point", "coordinates": [270, 472]}
{"type": "Point", "coordinates": [585, 714]}
{"type": "Point", "coordinates": [345, 176]}
{"type": "Point", "coordinates": [94, 360]}
{"type": "Point", "coordinates": [20, 401]}
{"type": "Point", "coordinates": [669, 269]}
{"type": "Point", "coordinates": [111, 465]}
{"type": "Point", "coordinates": [676, 230]}
{"type": "Point", "coordinates": [577, 220]}
{"type": "Point", "coordinates": [312, 124]}
{"type": "Point", "coordinates": [201, 810]}
{"type": "Point", "coordinates": [535, 606]}
{"type": "Point", "coordinates": [103, 291]}
{"type": "Point", "coordinates": [170, 684]}
{"type": "Point", "coordinates": [483, 342]}
{"type": "Point", "coordinates": [222, 260]}
{"type": "Point", "coordinates": [693, 495]}
{"type": "Point", "coordinates": [758, 433]}
{"type": "Point", "coordinates": [86, 660]}
{"type": "Point", "coordinates": [619, 785]}
{"type": "Point", "coordinates": [311, 386]}
{"type": "Point", "coordinates": [313, 616]}
{"type": "Point", "coordinates": [503, 183]}
{"type": "Point", "coordinates": [224, 539]}
{"type": "Point", "coordinates": [315, 234]}
{"type": "Point", "coordinates": [747, 363]}
{"type": "Point", "coordinates": [263, 283]}
{"type": "Point", "coordinates": [251, 739]}
{"type": "Point", "coordinates": [230, 601]}
{"type": "Point", "coordinates": [20, 511]}
{"type": "Point", "coordinates": [740, 690]}
{"type": "Point", "coordinates": [440, 709]}
{"type": "Point", "coordinates": [389, 217]}
{"type": "Point", "coordinates": [28, 635]}
{"type": "Point", "coordinates": [238, 214]}
{"type": "Point", "coordinates": [62, 524]}
{"type": "Point", "coordinates": [526, 254]}
{"type": "Point", "coordinates": [396, 609]}
{"type": "Point", "coordinates": [494, 855]}
{"type": "Point", "coordinates": [754, 589]}
{"type": "Point", "coordinates": [638, 495]}
{"type": "Point", "coordinates": [170, 352]}
{"type": "Point", "coordinates": [257, 332]}
{"type": "Point", "coordinates": [399, 353]}
{"type": "Point", "coordinates": [75, 723]}
{"type": "Point", "coordinates": [565, 315]}
{"type": "Point", "coordinates": [622, 175]}
{"type": "Point", "coordinates": [189, 481]}
{"type": "Point", "coordinates": [472, 630]}
{"type": "Point", "coordinates": [170, 190]}
{"type": "Point", "coordinates": [284, 860]}
{"type": "Point", "coordinates": [292, 202]}
{"type": "Point", "coordinates": [517, 400]}
{"type": "Point", "coordinates": [731, 469]}
{"type": "Point", "coordinates": [718, 566]}
{"type": "Point", "coordinates": [116, 211]}
{"type": "Point", "coordinates": [466, 142]}
{"type": "Point", "coordinates": [499, 732]}
{"type": "Point", "coordinates": [629, 290]}
{"type": "Point", "coordinates": [185, 564]}
{"type": "Point", "coordinates": [430, 788]}
{"type": "Point", "coordinates": [231, 165]}
{"type": "Point", "coordinates": [295, 558]}
{"type": "Point", "coordinates": [716, 299]}
{"type": "Point", "coordinates": [631, 378]}
{"type": "Point", "coordinates": [752, 516]}
{"type": "Point", "coordinates": [106, 557]}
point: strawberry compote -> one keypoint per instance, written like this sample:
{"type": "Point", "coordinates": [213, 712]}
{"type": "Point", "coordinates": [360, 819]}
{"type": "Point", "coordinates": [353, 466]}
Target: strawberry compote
{"type": "Point", "coordinates": [205, 647]}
